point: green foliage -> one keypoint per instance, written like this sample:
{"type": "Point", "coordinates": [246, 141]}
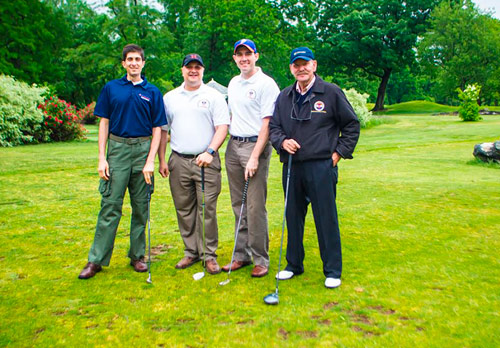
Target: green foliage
{"type": "Point", "coordinates": [20, 119]}
{"type": "Point", "coordinates": [61, 120]}
{"type": "Point", "coordinates": [417, 107]}
{"type": "Point", "coordinates": [358, 102]}
{"type": "Point", "coordinates": [469, 109]}
{"type": "Point", "coordinates": [87, 114]}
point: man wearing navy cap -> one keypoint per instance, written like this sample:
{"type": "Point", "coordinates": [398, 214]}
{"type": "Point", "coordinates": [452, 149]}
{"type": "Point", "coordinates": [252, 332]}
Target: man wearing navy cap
{"type": "Point", "coordinates": [198, 118]}
{"type": "Point", "coordinates": [132, 113]}
{"type": "Point", "coordinates": [251, 97]}
{"type": "Point", "coordinates": [314, 122]}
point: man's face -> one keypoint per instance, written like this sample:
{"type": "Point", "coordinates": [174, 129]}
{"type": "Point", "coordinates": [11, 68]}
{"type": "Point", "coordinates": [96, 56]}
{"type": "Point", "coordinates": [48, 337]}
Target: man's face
{"type": "Point", "coordinates": [193, 74]}
{"type": "Point", "coordinates": [245, 59]}
{"type": "Point", "coordinates": [303, 70]}
{"type": "Point", "coordinates": [133, 63]}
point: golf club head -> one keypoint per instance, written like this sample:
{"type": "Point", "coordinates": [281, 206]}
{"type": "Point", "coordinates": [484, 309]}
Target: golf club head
{"type": "Point", "coordinates": [149, 281]}
{"type": "Point", "coordinates": [225, 282]}
{"type": "Point", "coordinates": [198, 276]}
{"type": "Point", "coordinates": [272, 299]}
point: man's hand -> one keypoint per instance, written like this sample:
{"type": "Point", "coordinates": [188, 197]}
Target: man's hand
{"type": "Point", "coordinates": [163, 169]}
{"type": "Point", "coordinates": [103, 169]}
{"type": "Point", "coordinates": [251, 168]}
{"type": "Point", "coordinates": [336, 158]}
{"type": "Point", "coordinates": [204, 159]}
{"type": "Point", "coordinates": [290, 146]}
{"type": "Point", "coordinates": [148, 171]}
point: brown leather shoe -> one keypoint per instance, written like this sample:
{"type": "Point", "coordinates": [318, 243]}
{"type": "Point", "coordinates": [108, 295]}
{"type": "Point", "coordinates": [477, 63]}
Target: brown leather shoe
{"type": "Point", "coordinates": [139, 265]}
{"type": "Point", "coordinates": [259, 271]}
{"type": "Point", "coordinates": [212, 266]}
{"type": "Point", "coordinates": [236, 265]}
{"type": "Point", "coordinates": [89, 270]}
{"type": "Point", "coordinates": [186, 262]}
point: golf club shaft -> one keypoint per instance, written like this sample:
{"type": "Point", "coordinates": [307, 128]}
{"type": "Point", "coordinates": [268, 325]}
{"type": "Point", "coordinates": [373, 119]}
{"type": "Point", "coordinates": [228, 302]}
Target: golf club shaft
{"type": "Point", "coordinates": [243, 200]}
{"type": "Point", "coordinates": [203, 215]}
{"type": "Point", "coordinates": [149, 231]}
{"type": "Point", "coordinates": [284, 216]}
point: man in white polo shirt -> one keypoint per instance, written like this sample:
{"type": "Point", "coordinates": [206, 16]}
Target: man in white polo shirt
{"type": "Point", "coordinates": [251, 97]}
{"type": "Point", "coordinates": [198, 119]}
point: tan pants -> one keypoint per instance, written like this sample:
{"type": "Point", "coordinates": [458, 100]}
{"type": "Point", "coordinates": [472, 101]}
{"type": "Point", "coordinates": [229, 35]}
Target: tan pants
{"type": "Point", "coordinates": [253, 237]}
{"type": "Point", "coordinates": [185, 185]}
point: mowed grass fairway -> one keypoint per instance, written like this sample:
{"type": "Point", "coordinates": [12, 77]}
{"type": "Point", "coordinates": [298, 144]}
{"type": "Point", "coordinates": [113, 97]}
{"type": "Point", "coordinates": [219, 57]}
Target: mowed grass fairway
{"type": "Point", "coordinates": [420, 222]}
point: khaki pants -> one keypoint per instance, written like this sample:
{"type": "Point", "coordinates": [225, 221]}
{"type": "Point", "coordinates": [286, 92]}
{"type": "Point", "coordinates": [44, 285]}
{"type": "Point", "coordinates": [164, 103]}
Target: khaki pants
{"type": "Point", "coordinates": [126, 162]}
{"type": "Point", "coordinates": [253, 236]}
{"type": "Point", "coordinates": [185, 185]}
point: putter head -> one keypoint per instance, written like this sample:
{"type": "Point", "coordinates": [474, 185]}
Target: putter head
{"type": "Point", "coordinates": [198, 276]}
{"type": "Point", "coordinates": [272, 299]}
{"type": "Point", "coordinates": [149, 281]}
{"type": "Point", "coordinates": [225, 282]}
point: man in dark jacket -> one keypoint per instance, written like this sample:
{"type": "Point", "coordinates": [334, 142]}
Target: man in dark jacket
{"type": "Point", "coordinates": [314, 122]}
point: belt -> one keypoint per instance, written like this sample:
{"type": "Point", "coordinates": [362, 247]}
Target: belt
{"type": "Point", "coordinates": [245, 139]}
{"type": "Point", "coordinates": [184, 155]}
{"type": "Point", "coordinates": [129, 141]}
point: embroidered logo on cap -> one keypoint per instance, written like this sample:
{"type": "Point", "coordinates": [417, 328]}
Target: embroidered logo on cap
{"type": "Point", "coordinates": [319, 106]}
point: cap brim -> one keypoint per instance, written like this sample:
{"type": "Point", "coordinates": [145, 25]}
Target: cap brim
{"type": "Point", "coordinates": [193, 60]}
{"type": "Point", "coordinates": [250, 48]}
{"type": "Point", "coordinates": [301, 57]}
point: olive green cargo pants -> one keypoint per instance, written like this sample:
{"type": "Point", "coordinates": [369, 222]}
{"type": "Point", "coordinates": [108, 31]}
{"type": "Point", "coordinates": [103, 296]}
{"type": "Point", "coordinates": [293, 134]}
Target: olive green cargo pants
{"type": "Point", "coordinates": [126, 159]}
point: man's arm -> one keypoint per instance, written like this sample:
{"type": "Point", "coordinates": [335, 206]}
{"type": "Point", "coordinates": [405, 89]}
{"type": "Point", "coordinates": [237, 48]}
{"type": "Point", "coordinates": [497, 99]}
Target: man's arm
{"type": "Point", "coordinates": [253, 161]}
{"type": "Point", "coordinates": [103, 167]}
{"type": "Point", "coordinates": [149, 167]}
{"type": "Point", "coordinates": [162, 153]}
{"type": "Point", "coordinates": [204, 159]}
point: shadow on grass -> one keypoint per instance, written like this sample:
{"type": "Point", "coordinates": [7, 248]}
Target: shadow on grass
{"type": "Point", "coordinates": [489, 164]}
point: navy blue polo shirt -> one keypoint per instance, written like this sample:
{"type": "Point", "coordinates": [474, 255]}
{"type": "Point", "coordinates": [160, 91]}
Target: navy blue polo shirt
{"type": "Point", "coordinates": [133, 110]}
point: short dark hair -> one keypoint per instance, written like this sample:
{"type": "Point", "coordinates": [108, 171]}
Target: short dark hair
{"type": "Point", "coordinates": [132, 48]}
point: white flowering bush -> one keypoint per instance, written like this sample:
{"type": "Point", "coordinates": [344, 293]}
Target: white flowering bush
{"type": "Point", "coordinates": [469, 109]}
{"type": "Point", "coordinates": [20, 117]}
{"type": "Point", "coordinates": [358, 102]}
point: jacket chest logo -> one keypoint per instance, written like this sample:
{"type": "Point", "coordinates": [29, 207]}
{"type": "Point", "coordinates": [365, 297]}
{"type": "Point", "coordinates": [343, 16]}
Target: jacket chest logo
{"type": "Point", "coordinates": [319, 106]}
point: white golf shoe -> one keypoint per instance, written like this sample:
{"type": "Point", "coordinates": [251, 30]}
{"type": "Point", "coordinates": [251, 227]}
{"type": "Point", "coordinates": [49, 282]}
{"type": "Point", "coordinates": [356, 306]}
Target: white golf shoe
{"type": "Point", "coordinates": [284, 275]}
{"type": "Point", "coordinates": [332, 283]}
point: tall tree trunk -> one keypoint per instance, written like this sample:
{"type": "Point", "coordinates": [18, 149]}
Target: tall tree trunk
{"type": "Point", "coordinates": [379, 105]}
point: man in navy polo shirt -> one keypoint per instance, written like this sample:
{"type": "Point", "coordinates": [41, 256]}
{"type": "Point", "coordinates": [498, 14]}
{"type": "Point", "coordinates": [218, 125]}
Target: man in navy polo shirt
{"type": "Point", "coordinates": [132, 113]}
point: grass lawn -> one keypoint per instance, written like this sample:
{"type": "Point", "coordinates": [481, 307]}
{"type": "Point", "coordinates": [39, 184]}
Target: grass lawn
{"type": "Point", "coordinates": [419, 107]}
{"type": "Point", "coordinates": [420, 224]}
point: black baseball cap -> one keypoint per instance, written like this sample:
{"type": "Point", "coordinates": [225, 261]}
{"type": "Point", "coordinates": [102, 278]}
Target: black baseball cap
{"type": "Point", "coordinates": [192, 57]}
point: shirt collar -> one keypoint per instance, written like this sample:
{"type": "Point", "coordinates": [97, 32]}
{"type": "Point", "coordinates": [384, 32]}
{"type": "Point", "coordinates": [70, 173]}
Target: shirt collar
{"type": "Point", "coordinates": [143, 84]}
{"type": "Point", "coordinates": [308, 87]}
{"type": "Point", "coordinates": [185, 91]}
{"type": "Point", "coordinates": [253, 78]}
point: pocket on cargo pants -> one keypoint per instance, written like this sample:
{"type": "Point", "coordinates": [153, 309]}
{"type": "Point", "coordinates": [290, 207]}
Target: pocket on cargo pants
{"type": "Point", "coordinates": [105, 185]}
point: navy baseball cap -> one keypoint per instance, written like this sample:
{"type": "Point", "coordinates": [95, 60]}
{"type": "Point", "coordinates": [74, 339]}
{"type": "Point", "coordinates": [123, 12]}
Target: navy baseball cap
{"type": "Point", "coordinates": [192, 57]}
{"type": "Point", "coordinates": [301, 53]}
{"type": "Point", "coordinates": [247, 43]}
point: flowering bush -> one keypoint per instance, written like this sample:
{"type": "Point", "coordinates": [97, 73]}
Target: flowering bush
{"type": "Point", "coordinates": [20, 120]}
{"type": "Point", "coordinates": [61, 120]}
{"type": "Point", "coordinates": [469, 109]}
{"type": "Point", "coordinates": [87, 113]}
{"type": "Point", "coordinates": [358, 102]}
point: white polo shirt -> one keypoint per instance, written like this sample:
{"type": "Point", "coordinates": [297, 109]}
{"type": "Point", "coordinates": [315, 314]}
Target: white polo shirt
{"type": "Point", "coordinates": [250, 101]}
{"type": "Point", "coordinates": [193, 116]}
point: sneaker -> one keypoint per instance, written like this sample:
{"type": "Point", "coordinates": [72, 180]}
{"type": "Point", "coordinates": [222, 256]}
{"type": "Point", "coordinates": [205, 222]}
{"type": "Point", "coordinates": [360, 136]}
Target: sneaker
{"type": "Point", "coordinates": [284, 275]}
{"type": "Point", "coordinates": [332, 283]}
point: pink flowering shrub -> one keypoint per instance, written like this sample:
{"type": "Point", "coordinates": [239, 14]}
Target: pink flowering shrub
{"type": "Point", "coordinates": [61, 120]}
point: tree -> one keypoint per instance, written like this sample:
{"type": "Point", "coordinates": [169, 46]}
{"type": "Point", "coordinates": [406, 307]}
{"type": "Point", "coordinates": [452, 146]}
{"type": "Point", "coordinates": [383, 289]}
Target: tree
{"type": "Point", "coordinates": [376, 36]}
{"type": "Point", "coordinates": [462, 47]}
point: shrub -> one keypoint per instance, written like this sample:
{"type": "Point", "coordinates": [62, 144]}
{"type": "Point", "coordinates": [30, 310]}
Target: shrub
{"type": "Point", "coordinates": [87, 114]}
{"type": "Point", "coordinates": [20, 120]}
{"type": "Point", "coordinates": [469, 109]}
{"type": "Point", "coordinates": [61, 120]}
{"type": "Point", "coordinates": [358, 102]}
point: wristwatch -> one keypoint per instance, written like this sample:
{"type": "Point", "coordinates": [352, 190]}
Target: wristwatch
{"type": "Point", "coordinates": [211, 151]}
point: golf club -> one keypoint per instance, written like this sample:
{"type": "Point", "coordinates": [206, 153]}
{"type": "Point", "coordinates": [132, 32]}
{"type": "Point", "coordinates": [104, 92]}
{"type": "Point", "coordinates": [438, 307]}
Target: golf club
{"type": "Point", "coordinates": [243, 200]}
{"type": "Point", "coordinates": [273, 298]}
{"type": "Point", "coordinates": [149, 280]}
{"type": "Point", "coordinates": [199, 275]}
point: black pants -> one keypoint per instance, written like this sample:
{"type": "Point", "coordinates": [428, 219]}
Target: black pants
{"type": "Point", "coordinates": [315, 182]}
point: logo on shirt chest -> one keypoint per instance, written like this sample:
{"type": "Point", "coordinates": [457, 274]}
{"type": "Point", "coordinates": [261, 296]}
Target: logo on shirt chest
{"type": "Point", "coordinates": [251, 94]}
{"type": "Point", "coordinates": [319, 106]}
{"type": "Point", "coordinates": [203, 103]}
{"type": "Point", "coordinates": [144, 97]}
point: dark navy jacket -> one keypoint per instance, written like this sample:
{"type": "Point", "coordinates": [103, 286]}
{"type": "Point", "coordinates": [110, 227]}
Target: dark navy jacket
{"type": "Point", "coordinates": [323, 124]}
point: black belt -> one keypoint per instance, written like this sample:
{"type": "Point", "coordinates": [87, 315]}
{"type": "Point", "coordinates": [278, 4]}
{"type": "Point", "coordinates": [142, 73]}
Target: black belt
{"type": "Point", "coordinates": [185, 156]}
{"type": "Point", "coordinates": [246, 139]}
{"type": "Point", "coordinates": [129, 141]}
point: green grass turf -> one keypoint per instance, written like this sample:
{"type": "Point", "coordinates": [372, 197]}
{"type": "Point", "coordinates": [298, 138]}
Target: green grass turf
{"type": "Point", "coordinates": [419, 224]}
{"type": "Point", "coordinates": [419, 107]}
